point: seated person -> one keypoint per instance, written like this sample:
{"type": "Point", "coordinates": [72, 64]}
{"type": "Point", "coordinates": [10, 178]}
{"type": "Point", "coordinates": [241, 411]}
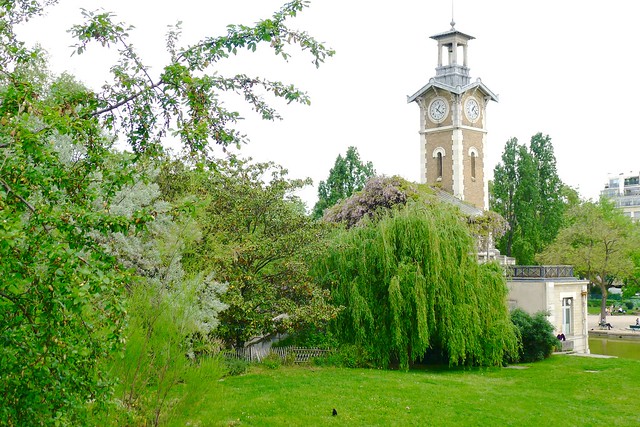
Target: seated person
{"type": "Point", "coordinates": [605, 324]}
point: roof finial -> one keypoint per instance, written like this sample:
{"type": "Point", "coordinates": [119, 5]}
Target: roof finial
{"type": "Point", "coordinates": [453, 22]}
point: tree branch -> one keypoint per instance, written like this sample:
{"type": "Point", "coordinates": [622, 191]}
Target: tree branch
{"type": "Point", "coordinates": [22, 199]}
{"type": "Point", "coordinates": [126, 100]}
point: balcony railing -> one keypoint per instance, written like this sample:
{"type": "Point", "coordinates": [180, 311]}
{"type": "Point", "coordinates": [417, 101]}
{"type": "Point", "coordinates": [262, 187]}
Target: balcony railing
{"type": "Point", "coordinates": [540, 271]}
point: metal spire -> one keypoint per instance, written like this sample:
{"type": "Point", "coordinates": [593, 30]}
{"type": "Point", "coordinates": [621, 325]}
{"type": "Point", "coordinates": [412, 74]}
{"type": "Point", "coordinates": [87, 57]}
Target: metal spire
{"type": "Point", "coordinates": [453, 22]}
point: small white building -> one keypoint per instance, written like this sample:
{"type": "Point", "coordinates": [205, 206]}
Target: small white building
{"type": "Point", "coordinates": [553, 289]}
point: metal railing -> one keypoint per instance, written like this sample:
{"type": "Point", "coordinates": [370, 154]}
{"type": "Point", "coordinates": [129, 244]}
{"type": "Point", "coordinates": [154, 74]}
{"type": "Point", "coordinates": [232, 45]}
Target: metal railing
{"type": "Point", "coordinates": [540, 271]}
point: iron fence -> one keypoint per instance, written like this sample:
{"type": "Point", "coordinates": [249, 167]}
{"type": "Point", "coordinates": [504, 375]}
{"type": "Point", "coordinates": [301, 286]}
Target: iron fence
{"type": "Point", "coordinates": [540, 271]}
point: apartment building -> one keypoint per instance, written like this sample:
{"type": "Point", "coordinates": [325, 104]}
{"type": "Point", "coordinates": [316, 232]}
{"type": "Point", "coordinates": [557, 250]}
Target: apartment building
{"type": "Point", "coordinates": [624, 190]}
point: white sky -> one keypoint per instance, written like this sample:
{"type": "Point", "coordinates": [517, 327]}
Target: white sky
{"type": "Point", "coordinates": [564, 68]}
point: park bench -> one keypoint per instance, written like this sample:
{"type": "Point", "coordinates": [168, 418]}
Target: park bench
{"type": "Point", "coordinates": [634, 327]}
{"type": "Point", "coordinates": [604, 325]}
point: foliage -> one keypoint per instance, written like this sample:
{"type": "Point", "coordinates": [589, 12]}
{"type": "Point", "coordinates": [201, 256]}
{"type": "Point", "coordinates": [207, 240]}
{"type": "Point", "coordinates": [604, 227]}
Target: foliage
{"type": "Point", "coordinates": [236, 366]}
{"type": "Point", "coordinates": [171, 314]}
{"type": "Point", "coordinates": [60, 291]}
{"type": "Point", "coordinates": [535, 334]}
{"type": "Point", "coordinates": [410, 285]}
{"type": "Point", "coordinates": [347, 356]}
{"type": "Point", "coordinates": [255, 235]}
{"type": "Point", "coordinates": [160, 349]}
{"type": "Point", "coordinates": [186, 96]}
{"type": "Point", "coordinates": [61, 283]}
{"type": "Point", "coordinates": [379, 194]}
{"type": "Point", "coordinates": [486, 228]}
{"type": "Point", "coordinates": [272, 361]}
{"type": "Point", "coordinates": [632, 280]}
{"type": "Point", "coordinates": [550, 188]}
{"type": "Point", "coordinates": [597, 240]}
{"type": "Point", "coordinates": [561, 386]}
{"type": "Point", "coordinates": [503, 192]}
{"type": "Point", "coordinates": [528, 193]}
{"type": "Point", "coordinates": [310, 336]}
{"type": "Point", "coordinates": [347, 176]}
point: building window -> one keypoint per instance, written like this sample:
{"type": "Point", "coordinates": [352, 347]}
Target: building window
{"type": "Point", "coordinates": [473, 166]}
{"type": "Point", "coordinates": [438, 154]}
{"type": "Point", "coordinates": [567, 315]}
{"type": "Point", "coordinates": [473, 154]}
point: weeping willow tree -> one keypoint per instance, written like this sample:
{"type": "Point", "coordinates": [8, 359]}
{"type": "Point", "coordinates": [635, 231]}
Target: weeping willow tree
{"type": "Point", "coordinates": [411, 288]}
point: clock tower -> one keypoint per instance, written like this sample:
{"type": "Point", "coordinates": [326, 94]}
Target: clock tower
{"type": "Point", "coordinates": [452, 123]}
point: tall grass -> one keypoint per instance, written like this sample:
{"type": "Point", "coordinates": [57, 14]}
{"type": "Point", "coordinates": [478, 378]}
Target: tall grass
{"type": "Point", "coordinates": [158, 369]}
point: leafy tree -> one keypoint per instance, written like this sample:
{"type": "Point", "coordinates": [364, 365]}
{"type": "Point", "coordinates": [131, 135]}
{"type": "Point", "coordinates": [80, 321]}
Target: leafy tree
{"type": "Point", "coordinates": [598, 241]}
{"type": "Point", "coordinates": [527, 202]}
{"type": "Point", "coordinates": [61, 302]}
{"type": "Point", "coordinates": [570, 197]}
{"type": "Point", "coordinates": [632, 281]}
{"type": "Point", "coordinates": [503, 192]}
{"type": "Point", "coordinates": [254, 234]}
{"type": "Point", "coordinates": [186, 96]}
{"type": "Point", "coordinates": [550, 189]}
{"type": "Point", "coordinates": [411, 288]}
{"type": "Point", "coordinates": [347, 176]}
{"type": "Point", "coordinates": [528, 193]}
{"type": "Point", "coordinates": [60, 291]}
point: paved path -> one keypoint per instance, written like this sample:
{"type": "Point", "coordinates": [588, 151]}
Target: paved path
{"type": "Point", "coordinates": [620, 322]}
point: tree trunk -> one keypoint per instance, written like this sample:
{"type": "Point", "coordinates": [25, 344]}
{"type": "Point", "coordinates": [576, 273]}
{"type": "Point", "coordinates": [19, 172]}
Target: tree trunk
{"type": "Point", "coordinates": [603, 302]}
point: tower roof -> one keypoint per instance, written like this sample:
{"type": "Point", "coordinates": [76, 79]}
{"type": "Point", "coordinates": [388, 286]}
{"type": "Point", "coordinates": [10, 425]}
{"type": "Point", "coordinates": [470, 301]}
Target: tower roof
{"type": "Point", "coordinates": [452, 33]}
{"type": "Point", "coordinates": [454, 75]}
{"type": "Point", "coordinates": [433, 83]}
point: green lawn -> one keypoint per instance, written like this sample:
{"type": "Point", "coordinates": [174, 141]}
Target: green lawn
{"type": "Point", "coordinates": [562, 391]}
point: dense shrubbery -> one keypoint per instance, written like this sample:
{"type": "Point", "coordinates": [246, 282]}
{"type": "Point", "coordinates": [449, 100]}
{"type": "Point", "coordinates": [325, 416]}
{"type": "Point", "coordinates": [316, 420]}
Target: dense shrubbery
{"type": "Point", "coordinates": [311, 337]}
{"type": "Point", "coordinates": [236, 366]}
{"type": "Point", "coordinates": [535, 334]}
{"type": "Point", "coordinates": [348, 356]}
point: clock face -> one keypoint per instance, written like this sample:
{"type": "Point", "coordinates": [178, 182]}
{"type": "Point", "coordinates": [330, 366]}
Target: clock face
{"type": "Point", "coordinates": [438, 110]}
{"type": "Point", "coordinates": [472, 109]}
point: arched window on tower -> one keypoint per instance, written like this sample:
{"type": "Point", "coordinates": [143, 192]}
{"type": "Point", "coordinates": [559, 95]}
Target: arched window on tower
{"type": "Point", "coordinates": [438, 155]}
{"type": "Point", "coordinates": [473, 165]}
{"type": "Point", "coordinates": [473, 154]}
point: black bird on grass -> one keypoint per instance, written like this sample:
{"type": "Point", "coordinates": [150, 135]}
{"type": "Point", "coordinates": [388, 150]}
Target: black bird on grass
{"type": "Point", "coordinates": [334, 413]}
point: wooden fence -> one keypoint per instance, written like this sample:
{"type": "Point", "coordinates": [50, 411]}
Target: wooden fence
{"type": "Point", "coordinates": [254, 354]}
